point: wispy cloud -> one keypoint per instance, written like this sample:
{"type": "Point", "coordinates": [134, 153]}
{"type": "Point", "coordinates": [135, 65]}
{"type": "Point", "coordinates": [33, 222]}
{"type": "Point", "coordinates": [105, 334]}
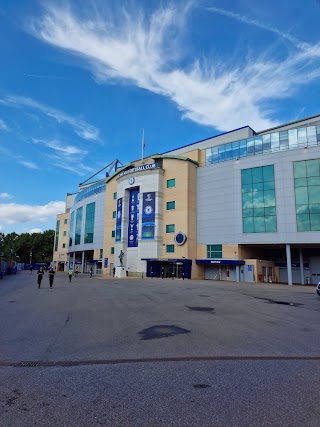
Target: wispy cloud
{"type": "Point", "coordinates": [250, 21]}
{"type": "Point", "coordinates": [12, 213]}
{"type": "Point", "coordinates": [29, 165]}
{"type": "Point", "coordinates": [39, 76]}
{"type": "Point", "coordinates": [80, 127]}
{"type": "Point", "coordinates": [135, 49]}
{"type": "Point", "coordinates": [3, 126]}
{"type": "Point", "coordinates": [57, 146]}
{"type": "Point", "coordinates": [5, 196]}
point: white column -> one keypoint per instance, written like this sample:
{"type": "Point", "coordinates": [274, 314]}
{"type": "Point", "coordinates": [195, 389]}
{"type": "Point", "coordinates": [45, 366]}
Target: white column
{"type": "Point", "coordinates": [74, 261]}
{"type": "Point", "coordinates": [82, 262]}
{"type": "Point", "coordinates": [237, 273]}
{"type": "Point", "coordinates": [301, 266]}
{"type": "Point", "coordinates": [289, 267]}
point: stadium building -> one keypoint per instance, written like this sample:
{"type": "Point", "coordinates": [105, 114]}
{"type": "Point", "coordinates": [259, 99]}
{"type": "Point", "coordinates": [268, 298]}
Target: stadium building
{"type": "Point", "coordinates": [240, 206]}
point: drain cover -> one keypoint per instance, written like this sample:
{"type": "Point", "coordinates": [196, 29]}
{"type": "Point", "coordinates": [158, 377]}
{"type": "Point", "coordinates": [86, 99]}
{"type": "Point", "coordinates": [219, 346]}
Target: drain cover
{"type": "Point", "coordinates": [208, 309]}
{"type": "Point", "coordinates": [201, 385]}
{"type": "Point", "coordinates": [29, 364]}
{"type": "Point", "coordinates": [162, 331]}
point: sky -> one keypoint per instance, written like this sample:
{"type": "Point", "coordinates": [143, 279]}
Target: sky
{"type": "Point", "coordinates": [80, 81]}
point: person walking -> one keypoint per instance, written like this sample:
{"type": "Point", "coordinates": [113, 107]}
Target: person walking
{"type": "Point", "coordinates": [40, 274]}
{"type": "Point", "coordinates": [77, 271]}
{"type": "Point", "coordinates": [91, 272]}
{"type": "Point", "coordinates": [51, 276]}
{"type": "Point", "coordinates": [70, 274]}
{"type": "Point", "coordinates": [31, 269]}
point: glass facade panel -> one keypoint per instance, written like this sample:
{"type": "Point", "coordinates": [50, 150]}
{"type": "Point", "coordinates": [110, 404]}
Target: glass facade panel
{"type": "Point", "coordinates": [89, 227]}
{"type": "Point", "coordinates": [250, 147]}
{"type": "Point", "coordinates": [71, 229]}
{"type": "Point", "coordinates": [275, 143]}
{"type": "Point", "coordinates": [312, 135]}
{"type": "Point", "coordinates": [302, 136]}
{"type": "Point", "coordinates": [235, 150]}
{"type": "Point", "coordinates": [258, 145]}
{"type": "Point", "coordinates": [171, 205]}
{"type": "Point", "coordinates": [258, 205]}
{"type": "Point", "coordinates": [307, 192]}
{"type": "Point", "coordinates": [78, 227]}
{"type": "Point", "coordinates": [57, 235]}
{"type": "Point", "coordinates": [170, 249]}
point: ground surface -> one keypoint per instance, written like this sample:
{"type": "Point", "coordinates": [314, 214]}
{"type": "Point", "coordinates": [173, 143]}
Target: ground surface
{"type": "Point", "coordinates": [133, 352]}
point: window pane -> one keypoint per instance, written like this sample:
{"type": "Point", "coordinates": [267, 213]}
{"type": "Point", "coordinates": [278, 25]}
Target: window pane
{"type": "Point", "coordinates": [315, 222]}
{"type": "Point", "coordinates": [312, 135]}
{"type": "Point", "coordinates": [258, 224]}
{"type": "Point", "coordinates": [314, 194]}
{"type": "Point", "coordinates": [171, 205]}
{"type": "Point", "coordinates": [258, 199]}
{"type": "Point", "coordinates": [247, 201]}
{"type": "Point", "coordinates": [246, 175]}
{"type": "Point", "coordinates": [301, 196]}
{"type": "Point", "coordinates": [250, 147]}
{"type": "Point", "coordinates": [243, 148]}
{"type": "Point", "coordinates": [258, 145]}
{"type": "Point", "coordinates": [258, 212]}
{"type": "Point", "coordinates": [235, 150]}
{"type": "Point", "coordinates": [270, 211]}
{"type": "Point", "coordinates": [170, 228]}
{"type": "Point", "coordinates": [257, 175]}
{"type": "Point", "coordinates": [299, 169]}
{"type": "Point", "coordinates": [293, 138]}
{"type": "Point", "coordinates": [302, 136]}
{"type": "Point", "coordinates": [271, 224]}
{"type": "Point", "coordinates": [247, 188]}
{"type": "Point", "coordinates": [268, 173]}
{"type": "Point", "coordinates": [314, 208]}
{"type": "Point", "coordinates": [314, 180]}
{"type": "Point", "coordinates": [266, 142]}
{"type": "Point", "coordinates": [303, 222]}
{"type": "Point", "coordinates": [275, 141]}
{"type": "Point", "coordinates": [248, 225]}
{"type": "Point", "coordinates": [269, 198]}
{"type": "Point", "coordinates": [269, 185]}
{"type": "Point", "coordinates": [300, 182]}
{"type": "Point", "coordinates": [222, 153]}
{"type": "Point", "coordinates": [312, 168]}
{"type": "Point", "coordinates": [247, 212]}
{"type": "Point", "coordinates": [171, 183]}
{"type": "Point", "coordinates": [258, 186]}
{"type": "Point", "coordinates": [215, 155]}
{"type": "Point", "coordinates": [228, 151]}
{"type": "Point", "coordinates": [208, 156]}
{"type": "Point", "coordinates": [169, 248]}
{"type": "Point", "coordinates": [302, 209]}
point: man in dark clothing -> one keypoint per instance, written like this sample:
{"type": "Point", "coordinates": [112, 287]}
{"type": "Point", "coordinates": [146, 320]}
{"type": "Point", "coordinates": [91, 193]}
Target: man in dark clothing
{"type": "Point", "coordinates": [51, 276]}
{"type": "Point", "coordinates": [40, 273]}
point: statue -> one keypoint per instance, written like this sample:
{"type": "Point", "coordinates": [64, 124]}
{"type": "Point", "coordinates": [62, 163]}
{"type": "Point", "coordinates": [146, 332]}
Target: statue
{"type": "Point", "coordinates": [121, 257]}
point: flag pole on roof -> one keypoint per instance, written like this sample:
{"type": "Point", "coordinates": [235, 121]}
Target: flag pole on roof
{"type": "Point", "coordinates": [143, 146]}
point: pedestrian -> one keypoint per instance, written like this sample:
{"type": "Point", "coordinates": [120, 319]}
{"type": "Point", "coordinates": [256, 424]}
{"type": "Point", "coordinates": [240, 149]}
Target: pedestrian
{"type": "Point", "coordinates": [40, 274]}
{"type": "Point", "coordinates": [31, 269]}
{"type": "Point", "coordinates": [51, 276]}
{"type": "Point", "coordinates": [91, 272]}
{"type": "Point", "coordinates": [77, 271]}
{"type": "Point", "coordinates": [162, 273]}
{"type": "Point", "coordinates": [70, 274]}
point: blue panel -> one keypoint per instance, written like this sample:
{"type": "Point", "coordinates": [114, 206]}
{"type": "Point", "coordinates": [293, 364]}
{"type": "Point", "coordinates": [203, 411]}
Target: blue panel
{"type": "Point", "coordinates": [119, 220]}
{"type": "Point", "coordinates": [133, 218]}
{"type": "Point", "coordinates": [148, 216]}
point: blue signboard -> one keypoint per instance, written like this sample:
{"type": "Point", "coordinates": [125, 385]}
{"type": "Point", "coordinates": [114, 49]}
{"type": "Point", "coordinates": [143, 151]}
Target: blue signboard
{"type": "Point", "coordinates": [148, 216]}
{"type": "Point", "coordinates": [105, 264]}
{"type": "Point", "coordinates": [119, 220]}
{"type": "Point", "coordinates": [133, 218]}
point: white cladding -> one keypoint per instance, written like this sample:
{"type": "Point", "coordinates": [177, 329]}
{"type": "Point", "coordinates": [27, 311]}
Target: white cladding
{"type": "Point", "coordinates": [100, 204]}
{"type": "Point", "coordinates": [147, 181]}
{"type": "Point", "coordinates": [219, 201]}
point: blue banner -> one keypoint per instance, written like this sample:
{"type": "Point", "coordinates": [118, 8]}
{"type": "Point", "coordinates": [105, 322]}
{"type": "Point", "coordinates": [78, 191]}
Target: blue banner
{"type": "Point", "coordinates": [133, 223]}
{"type": "Point", "coordinates": [119, 220]}
{"type": "Point", "coordinates": [148, 216]}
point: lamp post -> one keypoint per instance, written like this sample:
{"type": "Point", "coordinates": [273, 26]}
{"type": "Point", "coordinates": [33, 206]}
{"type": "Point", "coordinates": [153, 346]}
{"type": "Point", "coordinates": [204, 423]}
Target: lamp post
{"type": "Point", "coordinates": [30, 256]}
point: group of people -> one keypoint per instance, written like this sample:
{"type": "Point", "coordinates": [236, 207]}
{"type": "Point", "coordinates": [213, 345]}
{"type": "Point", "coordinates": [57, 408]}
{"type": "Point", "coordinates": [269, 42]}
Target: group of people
{"type": "Point", "coordinates": [40, 274]}
{"type": "Point", "coordinates": [51, 273]}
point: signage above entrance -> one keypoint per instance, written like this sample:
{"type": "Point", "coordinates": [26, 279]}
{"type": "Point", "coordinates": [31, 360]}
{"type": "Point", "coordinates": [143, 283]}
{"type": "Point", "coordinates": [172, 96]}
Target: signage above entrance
{"type": "Point", "coordinates": [140, 168]}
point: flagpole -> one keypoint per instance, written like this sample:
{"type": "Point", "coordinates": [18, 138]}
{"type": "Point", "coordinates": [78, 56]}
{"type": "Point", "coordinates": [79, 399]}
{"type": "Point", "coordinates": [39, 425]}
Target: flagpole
{"type": "Point", "coordinates": [142, 146]}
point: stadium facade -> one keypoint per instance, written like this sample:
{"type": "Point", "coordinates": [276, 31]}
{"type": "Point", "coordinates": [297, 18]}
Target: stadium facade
{"type": "Point", "coordinates": [240, 206]}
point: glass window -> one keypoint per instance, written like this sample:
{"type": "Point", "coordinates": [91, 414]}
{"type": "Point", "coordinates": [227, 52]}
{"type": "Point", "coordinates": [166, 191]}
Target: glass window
{"type": "Point", "coordinates": [275, 141]}
{"type": "Point", "coordinates": [78, 227]}
{"type": "Point", "coordinates": [208, 156]}
{"type": "Point", "coordinates": [214, 251]}
{"type": "Point", "coordinates": [293, 138]}
{"type": "Point", "coordinates": [312, 135]}
{"type": "Point", "coordinates": [57, 235]}
{"type": "Point", "coordinates": [243, 148]}
{"type": "Point", "coordinates": [114, 214]}
{"type": "Point", "coordinates": [171, 183]}
{"type": "Point", "coordinates": [89, 225]}
{"type": "Point", "coordinates": [250, 147]}
{"type": "Point", "coordinates": [222, 153]}
{"type": "Point", "coordinates": [63, 245]}
{"type": "Point", "coordinates": [303, 222]}
{"type": "Point", "coordinates": [71, 229]}
{"type": "Point", "coordinates": [235, 150]}
{"type": "Point", "coordinates": [258, 206]}
{"type": "Point", "coordinates": [266, 143]}
{"type": "Point", "coordinates": [170, 249]}
{"type": "Point", "coordinates": [113, 233]}
{"type": "Point", "coordinates": [101, 254]}
{"type": "Point", "coordinates": [215, 155]}
{"type": "Point", "coordinates": [302, 136]}
{"type": "Point", "coordinates": [112, 250]}
{"type": "Point", "coordinates": [115, 196]}
{"type": "Point", "coordinates": [258, 145]}
{"type": "Point", "coordinates": [299, 169]}
{"type": "Point", "coordinates": [315, 222]}
{"type": "Point", "coordinates": [312, 168]}
{"type": "Point", "coordinates": [228, 151]}
{"type": "Point", "coordinates": [170, 228]}
{"type": "Point", "coordinates": [284, 140]}
{"type": "Point", "coordinates": [66, 221]}
{"type": "Point", "coordinates": [171, 206]}
{"type": "Point", "coordinates": [64, 233]}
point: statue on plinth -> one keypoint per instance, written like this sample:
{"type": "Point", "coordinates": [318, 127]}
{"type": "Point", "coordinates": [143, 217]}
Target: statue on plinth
{"type": "Point", "coordinates": [121, 258]}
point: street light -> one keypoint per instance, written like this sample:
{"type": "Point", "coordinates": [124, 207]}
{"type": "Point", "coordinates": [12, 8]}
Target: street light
{"type": "Point", "coordinates": [30, 256]}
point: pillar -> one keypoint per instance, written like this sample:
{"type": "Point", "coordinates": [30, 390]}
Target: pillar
{"type": "Point", "coordinates": [237, 273]}
{"type": "Point", "coordinates": [289, 267]}
{"type": "Point", "coordinates": [82, 262]}
{"type": "Point", "coordinates": [301, 266]}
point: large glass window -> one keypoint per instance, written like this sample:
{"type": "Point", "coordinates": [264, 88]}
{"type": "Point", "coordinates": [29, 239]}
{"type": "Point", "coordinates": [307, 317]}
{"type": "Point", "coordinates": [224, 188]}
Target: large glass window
{"type": "Point", "coordinates": [170, 249]}
{"type": "Point", "coordinates": [89, 227]}
{"type": "Point", "coordinates": [214, 251]}
{"type": "Point", "coordinates": [71, 229]}
{"type": "Point", "coordinates": [78, 227]}
{"type": "Point", "coordinates": [307, 192]}
{"type": "Point", "coordinates": [170, 228]}
{"type": "Point", "coordinates": [258, 200]}
{"type": "Point", "coordinates": [57, 235]}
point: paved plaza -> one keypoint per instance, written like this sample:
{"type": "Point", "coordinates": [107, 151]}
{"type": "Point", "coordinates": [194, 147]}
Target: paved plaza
{"type": "Point", "coordinates": [143, 352]}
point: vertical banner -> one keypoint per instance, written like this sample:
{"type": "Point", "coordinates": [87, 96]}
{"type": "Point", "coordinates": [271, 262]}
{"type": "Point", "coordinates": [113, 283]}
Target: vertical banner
{"type": "Point", "coordinates": [119, 220]}
{"type": "Point", "coordinates": [148, 216]}
{"type": "Point", "coordinates": [133, 223]}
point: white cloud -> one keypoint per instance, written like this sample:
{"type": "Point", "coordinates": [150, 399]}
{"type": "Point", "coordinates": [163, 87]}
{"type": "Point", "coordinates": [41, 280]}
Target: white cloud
{"type": "Point", "coordinates": [5, 196]}
{"type": "Point", "coordinates": [58, 147]}
{"type": "Point", "coordinates": [3, 126]}
{"type": "Point", "coordinates": [13, 213]}
{"type": "Point", "coordinates": [80, 127]}
{"type": "Point", "coordinates": [29, 165]}
{"type": "Point", "coordinates": [35, 230]}
{"type": "Point", "coordinates": [135, 49]}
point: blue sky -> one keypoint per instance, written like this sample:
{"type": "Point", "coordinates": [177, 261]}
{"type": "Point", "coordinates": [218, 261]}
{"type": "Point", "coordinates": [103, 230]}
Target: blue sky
{"type": "Point", "coordinates": [80, 80]}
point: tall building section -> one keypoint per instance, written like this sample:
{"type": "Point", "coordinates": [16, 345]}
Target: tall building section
{"type": "Point", "coordinates": [242, 206]}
